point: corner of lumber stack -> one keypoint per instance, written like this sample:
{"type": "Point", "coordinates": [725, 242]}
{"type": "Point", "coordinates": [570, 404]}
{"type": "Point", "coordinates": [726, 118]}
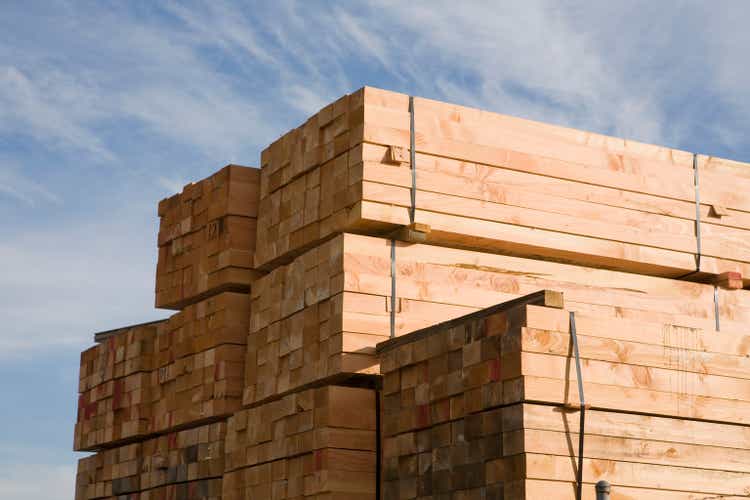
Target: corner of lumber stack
{"type": "Point", "coordinates": [497, 183]}
{"type": "Point", "coordinates": [480, 406]}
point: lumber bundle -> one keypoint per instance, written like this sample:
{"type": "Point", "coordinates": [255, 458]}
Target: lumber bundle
{"type": "Point", "coordinates": [109, 473]}
{"type": "Point", "coordinates": [114, 411]}
{"type": "Point", "coordinates": [496, 183]}
{"type": "Point", "coordinates": [377, 314]}
{"type": "Point", "coordinates": [128, 352]}
{"type": "Point", "coordinates": [201, 359]}
{"type": "Point", "coordinates": [454, 417]}
{"type": "Point", "coordinates": [114, 388]}
{"type": "Point", "coordinates": [184, 457]}
{"type": "Point", "coordinates": [159, 377]}
{"type": "Point", "coordinates": [316, 443]}
{"type": "Point", "coordinates": [207, 237]}
{"type": "Point", "coordinates": [321, 315]}
{"type": "Point", "coordinates": [204, 489]}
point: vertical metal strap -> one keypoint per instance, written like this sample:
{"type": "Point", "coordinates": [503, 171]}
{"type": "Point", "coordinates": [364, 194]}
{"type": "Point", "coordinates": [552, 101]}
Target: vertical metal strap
{"type": "Point", "coordinates": [696, 181]}
{"type": "Point", "coordinates": [698, 249]}
{"type": "Point", "coordinates": [393, 288]}
{"type": "Point", "coordinates": [582, 400]}
{"type": "Point", "coordinates": [716, 308]}
{"type": "Point", "coordinates": [413, 162]}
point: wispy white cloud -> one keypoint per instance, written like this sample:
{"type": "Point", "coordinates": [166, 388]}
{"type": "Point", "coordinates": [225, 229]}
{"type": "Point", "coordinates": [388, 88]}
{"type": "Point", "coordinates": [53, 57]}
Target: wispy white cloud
{"type": "Point", "coordinates": [234, 34]}
{"type": "Point", "coordinates": [150, 75]}
{"type": "Point", "coordinates": [65, 283]}
{"type": "Point", "coordinates": [20, 187]}
{"type": "Point", "coordinates": [51, 107]}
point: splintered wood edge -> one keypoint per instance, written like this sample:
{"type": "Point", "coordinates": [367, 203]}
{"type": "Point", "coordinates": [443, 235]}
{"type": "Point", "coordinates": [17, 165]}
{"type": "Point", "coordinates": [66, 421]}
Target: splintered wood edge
{"type": "Point", "coordinates": [546, 298]}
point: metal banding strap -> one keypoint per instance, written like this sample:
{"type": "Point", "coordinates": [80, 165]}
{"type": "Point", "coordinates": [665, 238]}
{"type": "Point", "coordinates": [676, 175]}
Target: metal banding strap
{"type": "Point", "coordinates": [696, 180]}
{"type": "Point", "coordinates": [582, 400]}
{"type": "Point", "coordinates": [698, 249]}
{"type": "Point", "coordinates": [716, 308]}
{"type": "Point", "coordinates": [412, 162]}
{"type": "Point", "coordinates": [393, 288]}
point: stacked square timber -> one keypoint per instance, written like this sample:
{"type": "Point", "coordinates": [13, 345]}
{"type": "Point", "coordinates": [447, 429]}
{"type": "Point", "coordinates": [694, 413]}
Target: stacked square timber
{"type": "Point", "coordinates": [496, 183]}
{"type": "Point", "coordinates": [185, 456]}
{"type": "Point", "coordinates": [114, 400]}
{"type": "Point", "coordinates": [159, 377]}
{"type": "Point", "coordinates": [207, 237]}
{"type": "Point", "coordinates": [201, 360]}
{"type": "Point", "coordinates": [109, 473]}
{"type": "Point", "coordinates": [167, 387]}
{"type": "Point", "coordinates": [316, 443]}
{"type": "Point", "coordinates": [319, 317]}
{"type": "Point", "coordinates": [485, 406]}
{"type": "Point", "coordinates": [185, 460]}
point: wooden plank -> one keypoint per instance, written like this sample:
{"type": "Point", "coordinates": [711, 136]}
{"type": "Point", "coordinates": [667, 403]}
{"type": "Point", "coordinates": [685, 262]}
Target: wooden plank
{"type": "Point", "coordinates": [627, 425]}
{"type": "Point", "coordinates": [638, 475]}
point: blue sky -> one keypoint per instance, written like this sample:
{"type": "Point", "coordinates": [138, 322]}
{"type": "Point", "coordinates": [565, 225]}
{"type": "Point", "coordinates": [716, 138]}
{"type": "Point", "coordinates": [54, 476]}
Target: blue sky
{"type": "Point", "coordinates": [107, 107]}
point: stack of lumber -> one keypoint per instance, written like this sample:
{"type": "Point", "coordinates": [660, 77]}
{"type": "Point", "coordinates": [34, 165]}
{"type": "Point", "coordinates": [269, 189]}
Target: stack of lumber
{"type": "Point", "coordinates": [159, 377]}
{"type": "Point", "coordinates": [184, 456]}
{"type": "Point", "coordinates": [316, 443]}
{"type": "Point", "coordinates": [109, 473]}
{"type": "Point", "coordinates": [207, 237]}
{"type": "Point", "coordinates": [501, 184]}
{"type": "Point", "coordinates": [321, 315]}
{"type": "Point", "coordinates": [487, 404]}
{"type": "Point", "coordinates": [192, 458]}
{"type": "Point", "coordinates": [377, 313]}
{"type": "Point", "coordinates": [201, 359]}
{"type": "Point", "coordinates": [114, 399]}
